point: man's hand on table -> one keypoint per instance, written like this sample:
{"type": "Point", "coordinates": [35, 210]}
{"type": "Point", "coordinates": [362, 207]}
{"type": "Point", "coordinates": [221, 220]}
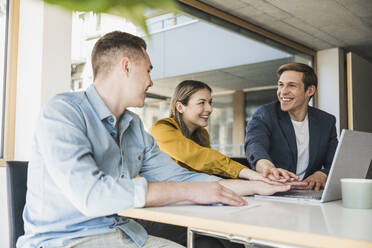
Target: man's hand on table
{"type": "Point", "coordinates": [255, 176]}
{"type": "Point", "coordinates": [214, 192]}
{"type": "Point", "coordinates": [316, 181]}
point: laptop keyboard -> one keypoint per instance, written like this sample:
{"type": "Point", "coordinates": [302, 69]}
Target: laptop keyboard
{"type": "Point", "coordinates": [306, 194]}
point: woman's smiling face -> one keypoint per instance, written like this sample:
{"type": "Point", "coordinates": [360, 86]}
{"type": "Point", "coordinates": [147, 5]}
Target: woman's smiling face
{"type": "Point", "coordinates": [197, 111]}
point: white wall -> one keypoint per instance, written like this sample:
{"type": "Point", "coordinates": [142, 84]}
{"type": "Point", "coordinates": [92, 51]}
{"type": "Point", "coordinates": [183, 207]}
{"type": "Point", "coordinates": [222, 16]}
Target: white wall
{"type": "Point", "coordinates": [332, 85]}
{"type": "Point", "coordinates": [44, 58]}
{"type": "Point", "coordinates": [168, 48]}
{"type": "Point", "coordinates": [43, 65]}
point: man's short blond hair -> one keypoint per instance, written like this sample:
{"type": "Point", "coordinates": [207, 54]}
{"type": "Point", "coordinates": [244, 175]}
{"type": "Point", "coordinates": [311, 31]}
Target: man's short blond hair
{"type": "Point", "coordinates": [112, 46]}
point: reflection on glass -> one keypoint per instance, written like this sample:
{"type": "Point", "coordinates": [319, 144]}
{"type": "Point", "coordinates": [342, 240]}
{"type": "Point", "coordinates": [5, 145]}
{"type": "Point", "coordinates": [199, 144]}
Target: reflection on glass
{"type": "Point", "coordinates": [254, 99]}
{"type": "Point", "coordinates": [221, 124]}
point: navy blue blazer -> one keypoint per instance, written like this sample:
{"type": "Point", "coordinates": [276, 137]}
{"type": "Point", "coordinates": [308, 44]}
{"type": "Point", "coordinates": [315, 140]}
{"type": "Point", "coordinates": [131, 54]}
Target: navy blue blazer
{"type": "Point", "coordinates": [270, 135]}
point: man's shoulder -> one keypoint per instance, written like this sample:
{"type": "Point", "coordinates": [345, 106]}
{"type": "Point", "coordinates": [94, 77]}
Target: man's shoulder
{"type": "Point", "coordinates": [268, 109]}
{"type": "Point", "coordinates": [64, 102]}
{"type": "Point", "coordinates": [67, 97]}
{"type": "Point", "coordinates": [320, 114]}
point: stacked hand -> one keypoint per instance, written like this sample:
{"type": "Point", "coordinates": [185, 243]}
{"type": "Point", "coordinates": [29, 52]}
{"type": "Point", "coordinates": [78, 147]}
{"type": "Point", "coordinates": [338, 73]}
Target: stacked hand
{"type": "Point", "coordinates": [268, 170]}
{"type": "Point", "coordinates": [263, 188]}
{"type": "Point", "coordinates": [253, 175]}
{"type": "Point", "coordinates": [268, 181]}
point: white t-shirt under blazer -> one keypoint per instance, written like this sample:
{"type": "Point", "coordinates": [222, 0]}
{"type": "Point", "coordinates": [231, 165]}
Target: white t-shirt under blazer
{"type": "Point", "coordinates": [302, 139]}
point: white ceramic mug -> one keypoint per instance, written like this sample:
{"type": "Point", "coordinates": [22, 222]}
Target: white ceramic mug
{"type": "Point", "coordinates": [356, 193]}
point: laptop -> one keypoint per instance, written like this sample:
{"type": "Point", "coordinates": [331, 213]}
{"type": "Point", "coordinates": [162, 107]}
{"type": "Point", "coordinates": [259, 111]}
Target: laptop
{"type": "Point", "coordinates": [352, 159]}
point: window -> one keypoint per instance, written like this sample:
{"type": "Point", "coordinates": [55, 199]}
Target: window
{"type": "Point", "coordinates": [229, 58]}
{"type": "Point", "coordinates": [237, 63]}
{"type": "Point", "coordinates": [221, 124]}
{"type": "Point", "coordinates": [87, 28]}
{"type": "Point", "coordinates": [156, 108]}
{"type": "Point", "coordinates": [256, 98]}
{"type": "Point", "coordinates": [162, 22]}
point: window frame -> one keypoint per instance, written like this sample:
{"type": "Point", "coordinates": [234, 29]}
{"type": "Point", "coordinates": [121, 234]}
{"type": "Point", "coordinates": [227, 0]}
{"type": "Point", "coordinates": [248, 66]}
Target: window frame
{"type": "Point", "coordinates": [10, 82]}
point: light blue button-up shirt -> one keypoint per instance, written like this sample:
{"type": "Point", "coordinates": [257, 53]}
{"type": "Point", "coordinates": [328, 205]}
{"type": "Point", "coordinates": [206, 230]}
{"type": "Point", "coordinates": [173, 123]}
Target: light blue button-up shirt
{"type": "Point", "coordinates": [79, 178]}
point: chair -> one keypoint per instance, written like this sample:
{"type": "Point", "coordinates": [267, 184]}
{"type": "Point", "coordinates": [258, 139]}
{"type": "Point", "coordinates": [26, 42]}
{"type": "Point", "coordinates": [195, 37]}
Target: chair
{"type": "Point", "coordinates": [16, 174]}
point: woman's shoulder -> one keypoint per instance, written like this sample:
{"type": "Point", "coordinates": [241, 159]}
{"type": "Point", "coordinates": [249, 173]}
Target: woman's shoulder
{"type": "Point", "coordinates": [163, 125]}
{"type": "Point", "coordinates": [166, 121]}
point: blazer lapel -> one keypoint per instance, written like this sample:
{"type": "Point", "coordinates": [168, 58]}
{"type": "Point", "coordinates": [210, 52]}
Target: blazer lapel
{"type": "Point", "coordinates": [289, 134]}
{"type": "Point", "coordinates": [314, 137]}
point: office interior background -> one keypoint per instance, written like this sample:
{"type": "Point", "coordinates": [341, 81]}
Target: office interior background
{"type": "Point", "coordinates": [234, 46]}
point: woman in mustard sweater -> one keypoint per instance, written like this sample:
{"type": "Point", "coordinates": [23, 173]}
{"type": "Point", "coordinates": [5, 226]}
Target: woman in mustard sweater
{"type": "Point", "coordinates": [184, 138]}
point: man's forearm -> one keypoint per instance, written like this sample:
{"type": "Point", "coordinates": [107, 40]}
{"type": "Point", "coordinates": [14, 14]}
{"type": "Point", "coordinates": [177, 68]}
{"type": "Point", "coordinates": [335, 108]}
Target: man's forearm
{"type": "Point", "coordinates": [164, 193]}
{"type": "Point", "coordinates": [240, 187]}
{"type": "Point", "coordinates": [244, 187]}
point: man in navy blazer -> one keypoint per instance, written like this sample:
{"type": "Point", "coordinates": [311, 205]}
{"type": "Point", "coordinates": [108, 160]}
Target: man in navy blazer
{"type": "Point", "coordinates": [289, 139]}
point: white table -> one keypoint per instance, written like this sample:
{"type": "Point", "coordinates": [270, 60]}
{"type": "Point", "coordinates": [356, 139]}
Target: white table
{"type": "Point", "coordinates": [271, 222]}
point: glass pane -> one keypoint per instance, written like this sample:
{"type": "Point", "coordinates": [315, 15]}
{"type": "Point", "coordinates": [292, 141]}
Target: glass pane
{"type": "Point", "coordinates": [197, 46]}
{"type": "Point", "coordinates": [254, 99]}
{"type": "Point", "coordinates": [220, 124]}
{"type": "Point", "coordinates": [3, 55]}
{"type": "Point", "coordinates": [228, 59]}
{"type": "Point", "coordinates": [182, 19]}
{"type": "Point", "coordinates": [155, 109]}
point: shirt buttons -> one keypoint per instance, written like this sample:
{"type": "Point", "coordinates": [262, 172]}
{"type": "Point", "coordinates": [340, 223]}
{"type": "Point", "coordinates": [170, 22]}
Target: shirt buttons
{"type": "Point", "coordinates": [122, 176]}
{"type": "Point", "coordinates": [111, 119]}
{"type": "Point", "coordinates": [112, 134]}
{"type": "Point", "coordinates": [139, 157]}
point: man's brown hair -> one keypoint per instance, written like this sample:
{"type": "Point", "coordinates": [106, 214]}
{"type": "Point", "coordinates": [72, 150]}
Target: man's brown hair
{"type": "Point", "coordinates": [309, 76]}
{"type": "Point", "coordinates": [112, 46]}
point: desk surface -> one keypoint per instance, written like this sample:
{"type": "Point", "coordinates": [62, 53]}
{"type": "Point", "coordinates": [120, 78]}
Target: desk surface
{"type": "Point", "coordinates": [316, 225]}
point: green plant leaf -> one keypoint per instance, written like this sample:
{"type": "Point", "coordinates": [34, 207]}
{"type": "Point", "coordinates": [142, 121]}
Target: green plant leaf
{"type": "Point", "coordinates": [132, 10]}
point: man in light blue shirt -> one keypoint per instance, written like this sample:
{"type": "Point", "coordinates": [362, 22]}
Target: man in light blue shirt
{"type": "Point", "coordinates": [88, 151]}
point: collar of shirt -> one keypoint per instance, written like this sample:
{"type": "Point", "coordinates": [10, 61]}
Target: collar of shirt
{"type": "Point", "coordinates": [105, 115]}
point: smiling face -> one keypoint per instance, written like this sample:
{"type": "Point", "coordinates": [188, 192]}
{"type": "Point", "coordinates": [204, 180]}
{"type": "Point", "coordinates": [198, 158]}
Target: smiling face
{"type": "Point", "coordinates": [196, 112]}
{"type": "Point", "coordinates": [292, 95]}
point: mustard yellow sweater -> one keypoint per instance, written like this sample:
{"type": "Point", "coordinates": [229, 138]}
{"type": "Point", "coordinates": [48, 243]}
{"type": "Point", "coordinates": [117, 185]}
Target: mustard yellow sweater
{"type": "Point", "coordinates": [191, 155]}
